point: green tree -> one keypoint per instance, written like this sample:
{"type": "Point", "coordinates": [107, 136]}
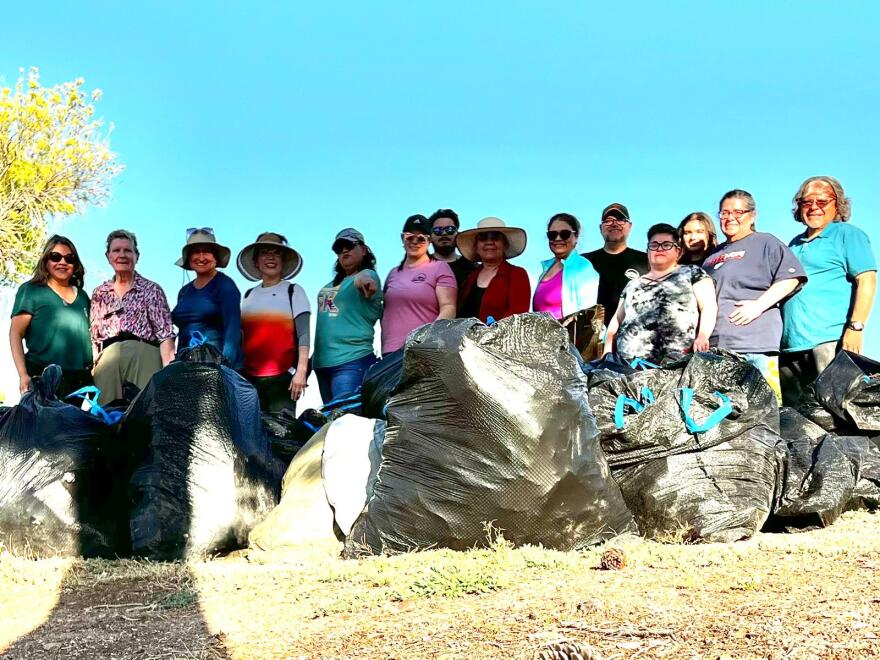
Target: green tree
{"type": "Point", "coordinates": [55, 160]}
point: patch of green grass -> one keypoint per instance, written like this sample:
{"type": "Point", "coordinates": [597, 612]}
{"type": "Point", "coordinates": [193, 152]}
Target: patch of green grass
{"type": "Point", "coordinates": [178, 600]}
{"type": "Point", "coordinates": [453, 582]}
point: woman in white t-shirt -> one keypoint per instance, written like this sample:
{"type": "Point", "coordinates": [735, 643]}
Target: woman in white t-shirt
{"type": "Point", "coordinates": [274, 323]}
{"type": "Point", "coordinates": [418, 291]}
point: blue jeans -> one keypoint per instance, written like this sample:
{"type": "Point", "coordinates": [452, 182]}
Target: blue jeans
{"type": "Point", "coordinates": [343, 379]}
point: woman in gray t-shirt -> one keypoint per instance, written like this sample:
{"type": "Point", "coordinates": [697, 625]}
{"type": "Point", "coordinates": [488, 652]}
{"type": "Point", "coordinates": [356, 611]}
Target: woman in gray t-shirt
{"type": "Point", "coordinates": [669, 311]}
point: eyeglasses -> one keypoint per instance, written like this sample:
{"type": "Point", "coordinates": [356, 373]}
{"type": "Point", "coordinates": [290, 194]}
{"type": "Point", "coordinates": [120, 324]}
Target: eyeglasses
{"type": "Point", "coordinates": [490, 236]}
{"type": "Point", "coordinates": [417, 239]}
{"type": "Point", "coordinates": [808, 203]}
{"type": "Point", "coordinates": [56, 257]}
{"type": "Point", "coordinates": [735, 213]}
{"type": "Point", "coordinates": [341, 246]}
{"type": "Point", "coordinates": [657, 246]}
{"type": "Point", "coordinates": [199, 230]}
{"type": "Point", "coordinates": [613, 220]}
{"type": "Point", "coordinates": [440, 231]}
{"type": "Point", "coordinates": [563, 235]}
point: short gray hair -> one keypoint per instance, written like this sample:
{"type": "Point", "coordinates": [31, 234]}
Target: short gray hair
{"type": "Point", "coordinates": [844, 207]}
{"type": "Point", "coordinates": [123, 234]}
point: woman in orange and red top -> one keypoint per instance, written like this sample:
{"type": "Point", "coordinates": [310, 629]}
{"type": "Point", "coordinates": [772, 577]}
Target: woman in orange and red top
{"type": "Point", "coordinates": [495, 288]}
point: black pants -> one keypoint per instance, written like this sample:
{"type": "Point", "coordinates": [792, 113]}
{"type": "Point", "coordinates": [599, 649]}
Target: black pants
{"type": "Point", "coordinates": [274, 392]}
{"type": "Point", "coordinates": [71, 379]}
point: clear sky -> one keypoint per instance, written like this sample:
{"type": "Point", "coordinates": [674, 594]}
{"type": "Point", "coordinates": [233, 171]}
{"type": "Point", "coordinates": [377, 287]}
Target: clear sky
{"type": "Point", "coordinates": [305, 118]}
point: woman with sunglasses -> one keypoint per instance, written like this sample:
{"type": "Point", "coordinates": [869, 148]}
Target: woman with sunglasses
{"type": "Point", "coordinates": [667, 312]}
{"type": "Point", "coordinates": [50, 317]}
{"type": "Point", "coordinates": [495, 288]}
{"type": "Point", "coordinates": [418, 291]}
{"type": "Point", "coordinates": [753, 272]}
{"type": "Point", "coordinates": [568, 281]}
{"type": "Point", "coordinates": [829, 314]}
{"type": "Point", "coordinates": [209, 305]}
{"type": "Point", "coordinates": [348, 308]}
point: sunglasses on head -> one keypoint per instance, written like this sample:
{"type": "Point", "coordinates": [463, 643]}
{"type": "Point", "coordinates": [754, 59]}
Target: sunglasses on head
{"type": "Point", "coordinates": [341, 246]}
{"type": "Point", "coordinates": [563, 235]}
{"type": "Point", "coordinates": [56, 257]}
{"type": "Point", "coordinates": [417, 239]}
{"type": "Point", "coordinates": [198, 230]}
{"type": "Point", "coordinates": [440, 231]}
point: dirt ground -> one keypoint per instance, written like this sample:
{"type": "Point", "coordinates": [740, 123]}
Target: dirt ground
{"type": "Point", "coordinates": [813, 594]}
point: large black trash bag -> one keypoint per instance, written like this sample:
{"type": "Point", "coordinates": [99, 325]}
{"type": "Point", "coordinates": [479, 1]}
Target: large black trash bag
{"type": "Point", "coordinates": [206, 471]}
{"type": "Point", "coordinates": [715, 484]}
{"type": "Point", "coordinates": [490, 424]}
{"type": "Point", "coordinates": [849, 388]}
{"type": "Point", "coordinates": [62, 478]}
{"type": "Point", "coordinates": [380, 382]}
{"type": "Point", "coordinates": [822, 474]}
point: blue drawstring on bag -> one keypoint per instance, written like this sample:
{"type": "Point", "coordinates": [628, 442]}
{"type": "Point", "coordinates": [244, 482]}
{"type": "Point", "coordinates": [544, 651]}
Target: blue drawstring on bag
{"type": "Point", "coordinates": [720, 413]}
{"type": "Point", "coordinates": [646, 398]}
{"type": "Point", "coordinates": [639, 363]}
{"type": "Point", "coordinates": [91, 393]}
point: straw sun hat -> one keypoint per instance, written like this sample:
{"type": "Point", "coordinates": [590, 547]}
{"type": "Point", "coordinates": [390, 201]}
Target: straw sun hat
{"type": "Point", "coordinates": [467, 240]}
{"type": "Point", "coordinates": [291, 261]}
{"type": "Point", "coordinates": [203, 236]}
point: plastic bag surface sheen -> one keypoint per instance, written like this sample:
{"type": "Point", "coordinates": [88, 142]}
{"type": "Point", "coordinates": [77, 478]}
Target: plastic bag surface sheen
{"type": "Point", "coordinates": [715, 484]}
{"type": "Point", "coordinates": [849, 388]}
{"type": "Point", "coordinates": [823, 474]}
{"type": "Point", "coordinates": [206, 471]}
{"type": "Point", "coordinates": [490, 424]}
{"type": "Point", "coordinates": [380, 382]}
{"type": "Point", "coordinates": [61, 478]}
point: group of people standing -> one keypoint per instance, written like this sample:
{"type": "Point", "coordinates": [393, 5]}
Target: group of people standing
{"type": "Point", "coordinates": [750, 293]}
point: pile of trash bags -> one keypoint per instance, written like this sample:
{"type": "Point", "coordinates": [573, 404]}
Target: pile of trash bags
{"type": "Point", "coordinates": [469, 431]}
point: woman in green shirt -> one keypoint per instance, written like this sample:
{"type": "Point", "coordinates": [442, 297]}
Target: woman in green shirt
{"type": "Point", "coordinates": [51, 318]}
{"type": "Point", "coordinates": [348, 308]}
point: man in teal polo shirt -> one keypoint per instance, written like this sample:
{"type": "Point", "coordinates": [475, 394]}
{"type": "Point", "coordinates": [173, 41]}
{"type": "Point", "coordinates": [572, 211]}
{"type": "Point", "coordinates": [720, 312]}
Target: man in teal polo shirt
{"type": "Point", "coordinates": [830, 312]}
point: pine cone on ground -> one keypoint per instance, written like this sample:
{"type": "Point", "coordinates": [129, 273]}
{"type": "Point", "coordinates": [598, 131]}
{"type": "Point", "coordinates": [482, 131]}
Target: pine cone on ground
{"type": "Point", "coordinates": [566, 650]}
{"type": "Point", "coordinates": [612, 559]}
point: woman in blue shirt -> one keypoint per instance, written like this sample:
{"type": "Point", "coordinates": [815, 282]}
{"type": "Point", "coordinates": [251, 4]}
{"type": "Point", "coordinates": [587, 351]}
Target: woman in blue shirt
{"type": "Point", "coordinates": [210, 303]}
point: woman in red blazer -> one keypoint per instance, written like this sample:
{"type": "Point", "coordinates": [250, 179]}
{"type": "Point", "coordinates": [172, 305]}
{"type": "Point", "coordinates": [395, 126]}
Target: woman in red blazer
{"type": "Point", "coordinates": [495, 288]}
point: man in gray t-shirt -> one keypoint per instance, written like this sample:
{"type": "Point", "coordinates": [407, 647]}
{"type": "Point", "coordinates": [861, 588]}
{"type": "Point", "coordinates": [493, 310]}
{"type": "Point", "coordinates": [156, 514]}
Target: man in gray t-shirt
{"type": "Point", "coordinates": [743, 271]}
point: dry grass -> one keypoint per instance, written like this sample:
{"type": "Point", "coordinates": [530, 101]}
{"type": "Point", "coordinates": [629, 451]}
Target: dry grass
{"type": "Point", "coordinates": [815, 594]}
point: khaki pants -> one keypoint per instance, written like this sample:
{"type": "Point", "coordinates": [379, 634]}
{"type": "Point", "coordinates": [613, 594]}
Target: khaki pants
{"type": "Point", "coordinates": [125, 361]}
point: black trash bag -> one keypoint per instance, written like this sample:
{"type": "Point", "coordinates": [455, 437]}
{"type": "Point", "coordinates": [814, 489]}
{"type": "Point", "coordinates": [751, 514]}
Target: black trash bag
{"type": "Point", "coordinates": [288, 434]}
{"type": "Point", "coordinates": [206, 471]}
{"type": "Point", "coordinates": [490, 424]}
{"type": "Point", "coordinates": [62, 478]}
{"type": "Point", "coordinates": [849, 388]}
{"type": "Point", "coordinates": [822, 475]}
{"type": "Point", "coordinates": [706, 475]}
{"type": "Point", "coordinates": [380, 382]}
{"type": "Point", "coordinates": [610, 366]}
{"type": "Point", "coordinates": [720, 494]}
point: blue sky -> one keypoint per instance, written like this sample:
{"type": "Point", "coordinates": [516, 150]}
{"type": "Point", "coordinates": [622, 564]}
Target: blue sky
{"type": "Point", "coordinates": [306, 119]}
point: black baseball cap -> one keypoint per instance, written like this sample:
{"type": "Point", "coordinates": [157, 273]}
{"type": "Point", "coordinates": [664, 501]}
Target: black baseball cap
{"type": "Point", "coordinates": [616, 209]}
{"type": "Point", "coordinates": [417, 223]}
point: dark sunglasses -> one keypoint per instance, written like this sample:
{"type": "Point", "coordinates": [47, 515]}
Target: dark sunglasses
{"type": "Point", "coordinates": [56, 257]}
{"type": "Point", "coordinates": [490, 236]}
{"type": "Point", "coordinates": [439, 231]}
{"type": "Point", "coordinates": [341, 246]}
{"type": "Point", "coordinates": [563, 235]}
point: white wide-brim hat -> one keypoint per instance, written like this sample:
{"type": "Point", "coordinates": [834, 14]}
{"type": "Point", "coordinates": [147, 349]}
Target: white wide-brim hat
{"type": "Point", "coordinates": [291, 262]}
{"type": "Point", "coordinates": [467, 240]}
{"type": "Point", "coordinates": [204, 236]}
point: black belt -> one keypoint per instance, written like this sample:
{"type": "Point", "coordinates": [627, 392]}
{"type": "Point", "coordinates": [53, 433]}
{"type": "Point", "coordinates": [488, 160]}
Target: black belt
{"type": "Point", "coordinates": [127, 336]}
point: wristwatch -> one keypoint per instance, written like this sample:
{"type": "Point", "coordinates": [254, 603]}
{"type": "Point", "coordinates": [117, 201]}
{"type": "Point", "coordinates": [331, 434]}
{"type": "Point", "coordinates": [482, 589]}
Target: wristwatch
{"type": "Point", "coordinates": [858, 326]}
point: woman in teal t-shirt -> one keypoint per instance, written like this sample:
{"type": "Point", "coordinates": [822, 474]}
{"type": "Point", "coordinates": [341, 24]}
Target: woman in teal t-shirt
{"type": "Point", "coordinates": [348, 308]}
{"type": "Point", "coordinates": [51, 317]}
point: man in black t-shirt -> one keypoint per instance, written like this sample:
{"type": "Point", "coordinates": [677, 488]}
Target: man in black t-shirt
{"type": "Point", "coordinates": [444, 229]}
{"type": "Point", "coordinates": [616, 263]}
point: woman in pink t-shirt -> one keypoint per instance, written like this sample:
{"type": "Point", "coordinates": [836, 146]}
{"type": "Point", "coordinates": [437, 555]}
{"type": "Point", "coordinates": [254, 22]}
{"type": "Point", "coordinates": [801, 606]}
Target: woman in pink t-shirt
{"type": "Point", "coordinates": [418, 291]}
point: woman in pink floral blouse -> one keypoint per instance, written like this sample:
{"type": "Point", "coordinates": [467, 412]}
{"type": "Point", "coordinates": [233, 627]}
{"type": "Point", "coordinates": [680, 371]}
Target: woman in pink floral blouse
{"type": "Point", "coordinates": [132, 336]}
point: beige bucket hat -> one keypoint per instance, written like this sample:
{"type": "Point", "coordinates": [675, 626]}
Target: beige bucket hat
{"type": "Point", "coordinates": [203, 236]}
{"type": "Point", "coordinates": [467, 240]}
{"type": "Point", "coordinates": [290, 266]}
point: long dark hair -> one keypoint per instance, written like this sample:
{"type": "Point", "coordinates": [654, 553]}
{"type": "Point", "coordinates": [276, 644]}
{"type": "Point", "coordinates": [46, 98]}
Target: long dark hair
{"type": "Point", "coordinates": [41, 272]}
{"type": "Point", "coordinates": [367, 263]}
